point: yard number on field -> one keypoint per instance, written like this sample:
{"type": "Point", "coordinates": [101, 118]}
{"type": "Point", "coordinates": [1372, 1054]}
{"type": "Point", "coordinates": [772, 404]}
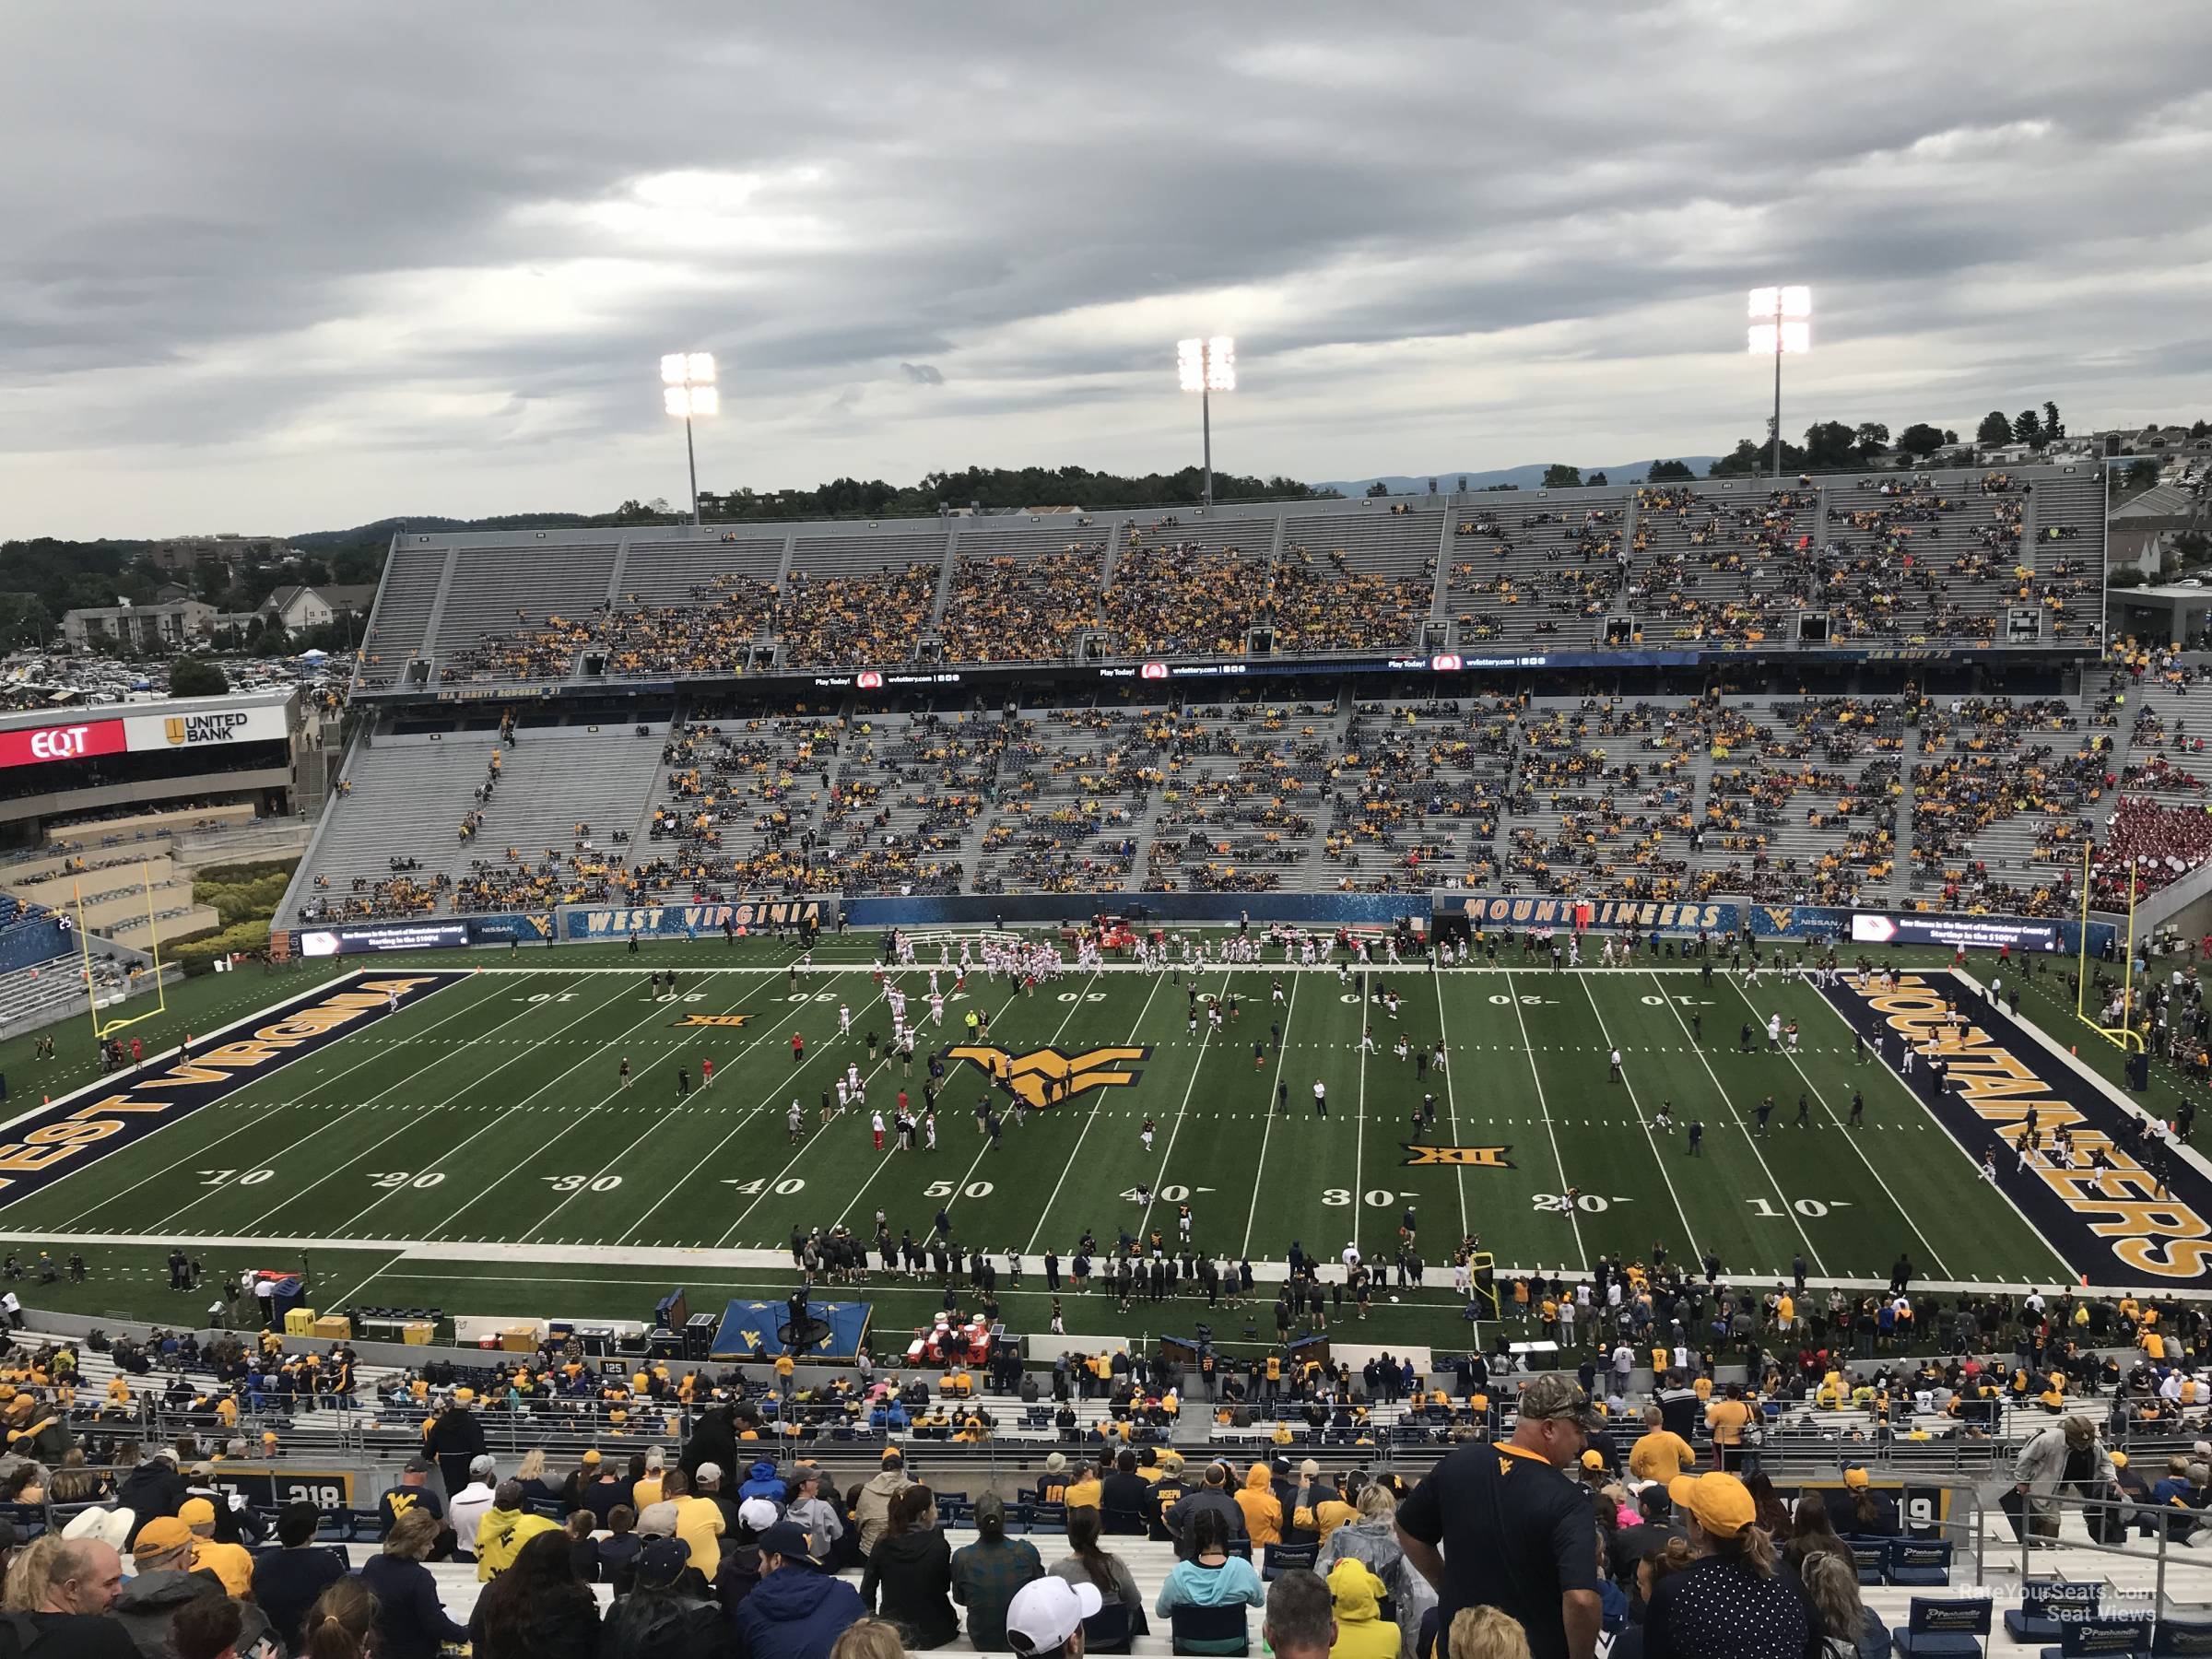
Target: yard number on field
{"type": "Point", "coordinates": [1811, 1208]}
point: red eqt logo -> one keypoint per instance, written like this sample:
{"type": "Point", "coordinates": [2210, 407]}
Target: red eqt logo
{"type": "Point", "coordinates": [868, 680]}
{"type": "Point", "coordinates": [1153, 671]}
{"type": "Point", "coordinates": [1446, 663]}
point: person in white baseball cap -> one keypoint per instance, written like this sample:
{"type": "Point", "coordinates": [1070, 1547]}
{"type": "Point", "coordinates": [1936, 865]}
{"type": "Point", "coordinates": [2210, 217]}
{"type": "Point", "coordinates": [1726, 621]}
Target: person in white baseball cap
{"type": "Point", "coordinates": [1045, 1618]}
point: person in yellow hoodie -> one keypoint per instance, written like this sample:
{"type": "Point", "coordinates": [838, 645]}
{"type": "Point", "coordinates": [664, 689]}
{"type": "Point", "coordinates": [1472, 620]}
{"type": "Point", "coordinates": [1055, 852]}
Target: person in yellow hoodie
{"type": "Point", "coordinates": [232, 1563]}
{"type": "Point", "coordinates": [1262, 1510]}
{"type": "Point", "coordinates": [504, 1530]}
{"type": "Point", "coordinates": [1361, 1631]}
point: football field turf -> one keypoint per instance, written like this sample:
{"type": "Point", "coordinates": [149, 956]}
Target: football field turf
{"type": "Point", "coordinates": [483, 1126]}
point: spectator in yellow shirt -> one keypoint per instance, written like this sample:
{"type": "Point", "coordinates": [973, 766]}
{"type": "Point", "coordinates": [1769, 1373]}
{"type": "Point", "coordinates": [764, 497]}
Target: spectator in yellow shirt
{"type": "Point", "coordinates": [1728, 1418]}
{"type": "Point", "coordinates": [1659, 1453]}
{"type": "Point", "coordinates": [1086, 1490]}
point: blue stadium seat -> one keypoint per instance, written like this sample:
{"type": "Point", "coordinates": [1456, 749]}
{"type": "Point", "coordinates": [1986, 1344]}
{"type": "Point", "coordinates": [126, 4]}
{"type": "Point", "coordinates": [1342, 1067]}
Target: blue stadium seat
{"type": "Point", "coordinates": [1942, 1629]}
{"type": "Point", "coordinates": [2176, 1637]}
{"type": "Point", "coordinates": [1918, 1563]}
{"type": "Point", "coordinates": [2042, 1603]}
{"type": "Point", "coordinates": [2102, 1638]}
{"type": "Point", "coordinates": [1211, 1625]}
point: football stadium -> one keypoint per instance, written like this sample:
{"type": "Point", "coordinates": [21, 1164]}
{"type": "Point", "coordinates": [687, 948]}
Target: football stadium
{"type": "Point", "coordinates": [1277, 982]}
{"type": "Point", "coordinates": [1069, 1059]}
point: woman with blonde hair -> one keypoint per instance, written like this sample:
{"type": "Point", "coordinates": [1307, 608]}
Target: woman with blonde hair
{"type": "Point", "coordinates": [1851, 1629]}
{"type": "Point", "coordinates": [1732, 1600]}
{"type": "Point", "coordinates": [1486, 1633]}
{"type": "Point", "coordinates": [869, 1639]}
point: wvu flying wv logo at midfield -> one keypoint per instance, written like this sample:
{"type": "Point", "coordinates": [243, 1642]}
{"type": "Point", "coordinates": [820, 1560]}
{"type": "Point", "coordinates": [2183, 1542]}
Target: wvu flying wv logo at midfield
{"type": "Point", "coordinates": [1481, 1158]}
{"type": "Point", "coordinates": [1046, 1076]}
{"type": "Point", "coordinates": [726, 1021]}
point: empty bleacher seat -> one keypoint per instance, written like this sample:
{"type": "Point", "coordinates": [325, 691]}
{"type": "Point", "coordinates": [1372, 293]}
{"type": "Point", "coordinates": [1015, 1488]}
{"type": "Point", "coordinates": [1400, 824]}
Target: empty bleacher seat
{"type": "Point", "coordinates": [1939, 1628]}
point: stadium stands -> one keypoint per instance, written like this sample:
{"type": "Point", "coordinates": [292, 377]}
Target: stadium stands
{"type": "Point", "coordinates": [1962, 559]}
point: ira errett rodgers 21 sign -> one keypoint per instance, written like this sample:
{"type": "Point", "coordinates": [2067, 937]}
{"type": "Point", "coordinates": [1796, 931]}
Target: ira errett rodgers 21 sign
{"type": "Point", "coordinates": [42, 1146]}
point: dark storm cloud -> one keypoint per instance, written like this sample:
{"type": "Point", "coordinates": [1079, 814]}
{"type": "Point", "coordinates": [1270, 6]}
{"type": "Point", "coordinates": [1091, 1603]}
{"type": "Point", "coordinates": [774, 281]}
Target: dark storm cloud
{"type": "Point", "coordinates": [271, 248]}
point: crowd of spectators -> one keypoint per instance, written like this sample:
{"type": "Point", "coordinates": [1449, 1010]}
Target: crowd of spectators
{"type": "Point", "coordinates": [853, 620]}
{"type": "Point", "coordinates": [1180, 597]}
{"type": "Point", "coordinates": [1326, 604]}
{"type": "Point", "coordinates": [1005, 609]}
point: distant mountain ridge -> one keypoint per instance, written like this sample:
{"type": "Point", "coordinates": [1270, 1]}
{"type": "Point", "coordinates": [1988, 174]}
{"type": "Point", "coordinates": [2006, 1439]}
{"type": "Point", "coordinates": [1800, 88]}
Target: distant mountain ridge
{"type": "Point", "coordinates": [1524, 477]}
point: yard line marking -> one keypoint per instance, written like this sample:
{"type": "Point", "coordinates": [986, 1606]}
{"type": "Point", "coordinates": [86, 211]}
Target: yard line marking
{"type": "Point", "coordinates": [1452, 1103]}
{"type": "Point", "coordinates": [1197, 1066]}
{"type": "Point", "coordinates": [262, 1114]}
{"type": "Point", "coordinates": [1753, 1009]}
{"type": "Point", "coordinates": [707, 1162]}
{"type": "Point", "coordinates": [1664, 1174]}
{"type": "Point", "coordinates": [792, 1161]}
{"type": "Point", "coordinates": [1751, 1140]}
{"type": "Point", "coordinates": [1259, 1175]}
{"type": "Point", "coordinates": [1575, 1218]}
{"type": "Point", "coordinates": [1359, 1113]}
{"type": "Point", "coordinates": [1075, 1156]}
{"type": "Point", "coordinates": [407, 1122]}
{"type": "Point", "coordinates": [960, 1190]}
{"type": "Point", "coordinates": [768, 1030]}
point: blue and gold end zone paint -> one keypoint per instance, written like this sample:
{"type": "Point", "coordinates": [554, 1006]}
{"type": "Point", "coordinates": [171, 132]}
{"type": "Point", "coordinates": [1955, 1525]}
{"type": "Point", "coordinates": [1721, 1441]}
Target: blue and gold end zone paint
{"type": "Point", "coordinates": [2111, 1225]}
{"type": "Point", "coordinates": [61, 1136]}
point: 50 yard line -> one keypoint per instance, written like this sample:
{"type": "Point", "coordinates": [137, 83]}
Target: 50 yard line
{"type": "Point", "coordinates": [1451, 1101]}
{"type": "Point", "coordinates": [1136, 1029]}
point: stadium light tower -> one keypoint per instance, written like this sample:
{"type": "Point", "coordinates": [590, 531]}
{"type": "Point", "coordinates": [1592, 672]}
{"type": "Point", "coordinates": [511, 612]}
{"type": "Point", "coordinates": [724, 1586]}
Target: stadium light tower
{"type": "Point", "coordinates": [688, 388]}
{"type": "Point", "coordinates": [1780, 325]}
{"type": "Point", "coordinates": [1206, 367]}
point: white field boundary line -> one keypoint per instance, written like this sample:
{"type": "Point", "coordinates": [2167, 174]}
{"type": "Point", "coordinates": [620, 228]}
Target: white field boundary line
{"type": "Point", "coordinates": [682, 1257]}
{"type": "Point", "coordinates": [1750, 1139]}
{"type": "Point", "coordinates": [768, 1030]}
{"type": "Point", "coordinates": [409, 1120]}
{"type": "Point", "coordinates": [1849, 1140]}
{"type": "Point", "coordinates": [806, 1145]}
{"type": "Point", "coordinates": [1205, 1041]}
{"type": "Point", "coordinates": [258, 1116]}
{"type": "Point", "coordinates": [1581, 1261]}
{"type": "Point", "coordinates": [1665, 1174]}
{"type": "Point", "coordinates": [2069, 1273]}
{"type": "Point", "coordinates": [707, 1161]}
{"type": "Point", "coordinates": [1451, 1102]}
{"type": "Point", "coordinates": [1076, 1158]}
{"type": "Point", "coordinates": [1259, 1175]}
{"type": "Point", "coordinates": [2089, 1073]}
{"type": "Point", "coordinates": [960, 1189]}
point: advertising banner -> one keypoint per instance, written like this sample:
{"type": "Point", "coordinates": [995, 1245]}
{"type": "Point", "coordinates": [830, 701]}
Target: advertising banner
{"type": "Point", "coordinates": [204, 729]}
{"type": "Point", "coordinates": [390, 935]}
{"type": "Point", "coordinates": [681, 921]}
{"type": "Point", "coordinates": [1523, 911]}
{"type": "Point", "coordinates": [75, 742]}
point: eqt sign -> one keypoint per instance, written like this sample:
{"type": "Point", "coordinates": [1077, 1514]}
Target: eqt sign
{"type": "Point", "coordinates": [62, 742]}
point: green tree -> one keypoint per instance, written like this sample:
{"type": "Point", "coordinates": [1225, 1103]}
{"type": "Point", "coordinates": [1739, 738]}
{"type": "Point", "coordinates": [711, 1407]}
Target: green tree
{"type": "Point", "coordinates": [1377, 488]}
{"type": "Point", "coordinates": [1995, 428]}
{"type": "Point", "coordinates": [1557, 477]}
{"type": "Point", "coordinates": [1828, 443]}
{"type": "Point", "coordinates": [1917, 439]}
{"type": "Point", "coordinates": [2200, 429]}
{"type": "Point", "coordinates": [2053, 429]}
{"type": "Point", "coordinates": [2027, 428]}
{"type": "Point", "coordinates": [1871, 440]}
{"type": "Point", "coordinates": [2142, 475]}
{"type": "Point", "coordinates": [1668, 471]}
{"type": "Point", "coordinates": [196, 676]}
{"type": "Point", "coordinates": [1597, 479]}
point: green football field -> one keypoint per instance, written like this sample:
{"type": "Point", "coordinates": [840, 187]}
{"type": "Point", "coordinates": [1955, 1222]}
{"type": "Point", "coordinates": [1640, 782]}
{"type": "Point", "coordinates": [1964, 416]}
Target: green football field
{"type": "Point", "coordinates": [477, 1150]}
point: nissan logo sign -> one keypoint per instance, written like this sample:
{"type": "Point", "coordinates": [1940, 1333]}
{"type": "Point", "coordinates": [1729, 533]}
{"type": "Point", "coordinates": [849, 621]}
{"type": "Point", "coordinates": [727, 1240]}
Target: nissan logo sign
{"type": "Point", "coordinates": [868, 680]}
{"type": "Point", "coordinates": [1445, 663]}
{"type": "Point", "coordinates": [1153, 671]}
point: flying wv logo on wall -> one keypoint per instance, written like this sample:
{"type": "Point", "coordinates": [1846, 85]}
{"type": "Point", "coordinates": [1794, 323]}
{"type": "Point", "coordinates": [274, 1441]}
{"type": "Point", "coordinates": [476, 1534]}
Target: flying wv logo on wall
{"type": "Point", "coordinates": [1047, 1077]}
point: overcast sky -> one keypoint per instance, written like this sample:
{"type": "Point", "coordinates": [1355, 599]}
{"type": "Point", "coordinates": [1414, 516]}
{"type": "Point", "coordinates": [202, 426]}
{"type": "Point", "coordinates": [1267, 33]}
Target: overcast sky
{"type": "Point", "coordinates": [286, 267]}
